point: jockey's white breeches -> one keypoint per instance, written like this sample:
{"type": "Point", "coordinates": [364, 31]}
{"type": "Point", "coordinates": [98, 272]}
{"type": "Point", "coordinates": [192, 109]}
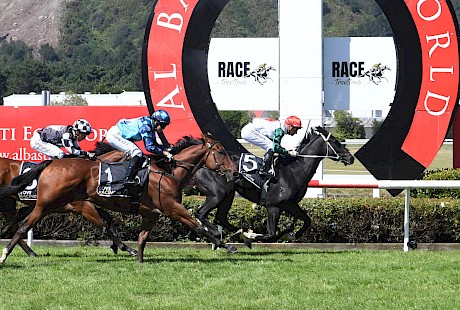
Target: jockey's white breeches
{"type": "Point", "coordinates": [252, 135]}
{"type": "Point", "coordinates": [129, 148]}
{"type": "Point", "coordinates": [46, 148]}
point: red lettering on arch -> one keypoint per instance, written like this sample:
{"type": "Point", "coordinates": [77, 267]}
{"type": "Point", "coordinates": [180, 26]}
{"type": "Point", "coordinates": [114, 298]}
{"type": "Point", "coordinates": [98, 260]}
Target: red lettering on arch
{"type": "Point", "coordinates": [439, 87]}
{"type": "Point", "coordinates": [164, 63]}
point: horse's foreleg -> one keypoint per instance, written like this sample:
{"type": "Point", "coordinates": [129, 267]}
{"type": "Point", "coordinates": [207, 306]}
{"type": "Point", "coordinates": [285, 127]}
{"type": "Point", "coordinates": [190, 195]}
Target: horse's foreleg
{"type": "Point", "coordinates": [110, 230]}
{"type": "Point", "coordinates": [31, 220]}
{"type": "Point", "coordinates": [202, 213]}
{"type": "Point", "coordinates": [273, 216]}
{"type": "Point", "coordinates": [222, 212]}
{"type": "Point", "coordinates": [178, 212]}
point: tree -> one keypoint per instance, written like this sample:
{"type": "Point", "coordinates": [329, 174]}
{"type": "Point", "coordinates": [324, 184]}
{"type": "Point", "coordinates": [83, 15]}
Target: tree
{"type": "Point", "coordinates": [376, 124]}
{"type": "Point", "coordinates": [71, 100]}
{"type": "Point", "coordinates": [235, 120]}
{"type": "Point", "coordinates": [347, 127]}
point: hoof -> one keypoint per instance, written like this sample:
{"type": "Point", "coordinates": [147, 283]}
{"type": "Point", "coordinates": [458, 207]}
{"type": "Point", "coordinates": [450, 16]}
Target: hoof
{"type": "Point", "coordinates": [231, 249]}
{"type": "Point", "coordinates": [289, 237]}
{"type": "Point", "coordinates": [114, 249]}
{"type": "Point", "coordinates": [248, 242]}
{"type": "Point", "coordinates": [33, 254]}
{"type": "Point", "coordinates": [133, 253]}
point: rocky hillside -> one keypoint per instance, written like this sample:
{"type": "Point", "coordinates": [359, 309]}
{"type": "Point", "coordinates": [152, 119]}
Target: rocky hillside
{"type": "Point", "coordinates": [33, 21]}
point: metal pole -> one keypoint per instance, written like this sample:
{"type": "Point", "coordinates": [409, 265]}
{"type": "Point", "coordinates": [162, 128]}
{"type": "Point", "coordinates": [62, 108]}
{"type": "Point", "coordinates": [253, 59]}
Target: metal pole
{"type": "Point", "coordinates": [30, 237]}
{"type": "Point", "coordinates": [406, 221]}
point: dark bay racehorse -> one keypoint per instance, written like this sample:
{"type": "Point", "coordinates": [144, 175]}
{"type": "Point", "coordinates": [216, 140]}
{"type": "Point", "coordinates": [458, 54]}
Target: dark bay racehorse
{"type": "Point", "coordinates": [10, 169]}
{"type": "Point", "coordinates": [67, 180]}
{"type": "Point", "coordinates": [283, 194]}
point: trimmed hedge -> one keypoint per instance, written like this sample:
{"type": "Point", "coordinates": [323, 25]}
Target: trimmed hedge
{"type": "Point", "coordinates": [353, 220]}
{"type": "Point", "coordinates": [434, 215]}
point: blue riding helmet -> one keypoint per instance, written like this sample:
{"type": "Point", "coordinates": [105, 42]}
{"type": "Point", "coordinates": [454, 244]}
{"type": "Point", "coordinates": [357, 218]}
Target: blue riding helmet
{"type": "Point", "coordinates": [161, 116]}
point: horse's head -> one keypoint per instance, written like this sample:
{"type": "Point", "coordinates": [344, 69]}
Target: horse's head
{"type": "Point", "coordinates": [334, 149]}
{"type": "Point", "coordinates": [218, 159]}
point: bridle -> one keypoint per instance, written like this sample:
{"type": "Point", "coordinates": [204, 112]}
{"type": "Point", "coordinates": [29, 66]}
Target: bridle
{"type": "Point", "coordinates": [328, 146]}
{"type": "Point", "coordinates": [197, 166]}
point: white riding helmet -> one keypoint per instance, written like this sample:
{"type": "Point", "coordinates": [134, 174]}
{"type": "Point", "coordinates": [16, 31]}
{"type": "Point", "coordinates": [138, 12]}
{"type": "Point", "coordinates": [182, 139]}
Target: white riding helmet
{"type": "Point", "coordinates": [82, 126]}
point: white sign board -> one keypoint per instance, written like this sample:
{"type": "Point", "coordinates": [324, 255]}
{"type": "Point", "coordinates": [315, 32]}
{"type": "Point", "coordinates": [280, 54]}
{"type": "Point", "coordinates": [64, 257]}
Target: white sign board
{"type": "Point", "coordinates": [244, 73]}
{"type": "Point", "coordinates": [359, 73]}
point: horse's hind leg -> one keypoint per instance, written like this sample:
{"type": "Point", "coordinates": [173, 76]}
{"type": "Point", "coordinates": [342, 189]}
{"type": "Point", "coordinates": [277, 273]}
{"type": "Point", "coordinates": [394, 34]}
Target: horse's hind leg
{"type": "Point", "coordinates": [8, 209]}
{"type": "Point", "coordinates": [148, 221]}
{"type": "Point", "coordinates": [102, 220]}
{"type": "Point", "coordinates": [31, 220]}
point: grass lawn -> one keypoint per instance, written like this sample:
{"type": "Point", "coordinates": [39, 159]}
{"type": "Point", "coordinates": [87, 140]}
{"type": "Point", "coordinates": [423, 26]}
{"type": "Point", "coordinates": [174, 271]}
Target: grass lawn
{"type": "Point", "coordinates": [93, 278]}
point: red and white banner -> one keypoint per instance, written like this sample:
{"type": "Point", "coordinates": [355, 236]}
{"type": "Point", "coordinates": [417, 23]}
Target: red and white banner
{"type": "Point", "coordinates": [17, 125]}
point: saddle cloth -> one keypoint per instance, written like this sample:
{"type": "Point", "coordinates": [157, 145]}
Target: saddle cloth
{"type": "Point", "coordinates": [112, 175]}
{"type": "Point", "coordinates": [30, 192]}
{"type": "Point", "coordinates": [249, 166]}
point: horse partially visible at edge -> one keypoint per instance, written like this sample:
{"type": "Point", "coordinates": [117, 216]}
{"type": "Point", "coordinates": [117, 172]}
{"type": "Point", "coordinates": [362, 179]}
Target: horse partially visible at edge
{"type": "Point", "coordinates": [283, 193]}
{"type": "Point", "coordinates": [10, 168]}
{"type": "Point", "coordinates": [67, 180]}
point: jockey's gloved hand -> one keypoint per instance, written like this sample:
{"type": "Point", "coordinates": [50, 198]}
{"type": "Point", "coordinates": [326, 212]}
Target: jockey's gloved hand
{"type": "Point", "coordinates": [293, 153]}
{"type": "Point", "coordinates": [91, 156]}
{"type": "Point", "coordinates": [168, 155]}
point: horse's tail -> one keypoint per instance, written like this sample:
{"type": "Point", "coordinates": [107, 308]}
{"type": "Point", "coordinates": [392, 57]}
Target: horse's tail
{"type": "Point", "coordinates": [23, 180]}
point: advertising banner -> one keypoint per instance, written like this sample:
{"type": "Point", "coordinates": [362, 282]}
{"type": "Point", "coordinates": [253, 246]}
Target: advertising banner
{"type": "Point", "coordinates": [19, 123]}
{"type": "Point", "coordinates": [359, 73]}
{"type": "Point", "coordinates": [244, 73]}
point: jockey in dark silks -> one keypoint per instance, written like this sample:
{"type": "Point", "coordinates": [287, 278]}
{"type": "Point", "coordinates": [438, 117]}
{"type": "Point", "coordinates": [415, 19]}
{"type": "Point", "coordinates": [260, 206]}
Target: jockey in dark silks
{"type": "Point", "coordinates": [50, 139]}
{"type": "Point", "coordinates": [267, 135]}
{"type": "Point", "coordinates": [127, 131]}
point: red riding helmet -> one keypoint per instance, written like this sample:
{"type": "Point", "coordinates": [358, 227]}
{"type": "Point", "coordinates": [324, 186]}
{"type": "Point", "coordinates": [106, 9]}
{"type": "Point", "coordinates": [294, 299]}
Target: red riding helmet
{"type": "Point", "coordinates": [294, 121]}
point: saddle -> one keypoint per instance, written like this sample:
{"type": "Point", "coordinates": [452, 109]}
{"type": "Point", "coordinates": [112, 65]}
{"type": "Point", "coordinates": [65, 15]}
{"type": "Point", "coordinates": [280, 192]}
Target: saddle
{"type": "Point", "coordinates": [112, 175]}
{"type": "Point", "coordinates": [248, 167]}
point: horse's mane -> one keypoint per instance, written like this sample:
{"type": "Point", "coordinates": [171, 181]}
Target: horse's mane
{"type": "Point", "coordinates": [183, 143]}
{"type": "Point", "coordinates": [313, 134]}
{"type": "Point", "coordinates": [103, 148]}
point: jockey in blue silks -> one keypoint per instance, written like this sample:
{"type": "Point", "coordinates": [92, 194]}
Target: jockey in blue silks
{"type": "Point", "coordinates": [127, 131]}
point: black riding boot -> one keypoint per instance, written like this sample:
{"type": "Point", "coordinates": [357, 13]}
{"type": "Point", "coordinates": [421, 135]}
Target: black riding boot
{"type": "Point", "coordinates": [131, 171]}
{"type": "Point", "coordinates": [267, 163]}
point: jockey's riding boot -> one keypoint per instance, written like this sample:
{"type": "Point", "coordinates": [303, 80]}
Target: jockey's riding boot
{"type": "Point", "coordinates": [268, 157]}
{"type": "Point", "coordinates": [131, 171]}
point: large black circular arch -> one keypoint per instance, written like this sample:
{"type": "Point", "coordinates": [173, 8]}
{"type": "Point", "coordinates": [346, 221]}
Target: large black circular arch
{"type": "Point", "coordinates": [382, 155]}
{"type": "Point", "coordinates": [195, 72]}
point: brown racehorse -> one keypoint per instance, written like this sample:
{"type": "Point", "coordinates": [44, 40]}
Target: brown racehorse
{"type": "Point", "coordinates": [66, 180]}
{"type": "Point", "coordinates": [10, 169]}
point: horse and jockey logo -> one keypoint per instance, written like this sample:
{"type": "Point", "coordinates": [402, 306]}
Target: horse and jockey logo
{"type": "Point", "coordinates": [261, 73]}
{"type": "Point", "coordinates": [375, 74]}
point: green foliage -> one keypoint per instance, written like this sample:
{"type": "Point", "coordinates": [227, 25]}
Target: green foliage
{"type": "Point", "coordinates": [347, 127]}
{"type": "Point", "coordinates": [439, 174]}
{"type": "Point", "coordinates": [235, 120]}
{"type": "Point", "coordinates": [71, 100]}
{"type": "Point", "coordinates": [376, 124]}
{"type": "Point", "coordinates": [350, 220]}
